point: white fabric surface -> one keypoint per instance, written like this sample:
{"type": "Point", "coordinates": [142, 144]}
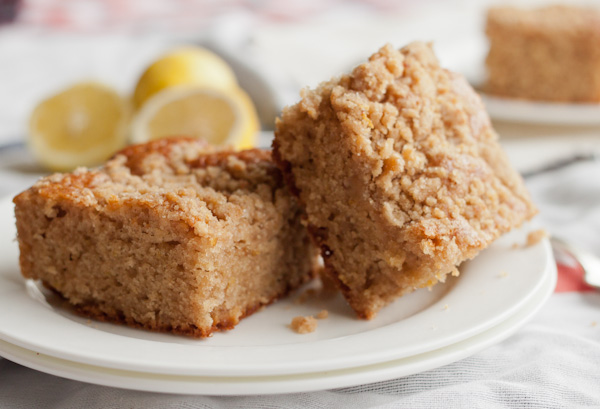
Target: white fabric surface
{"type": "Point", "coordinates": [552, 362]}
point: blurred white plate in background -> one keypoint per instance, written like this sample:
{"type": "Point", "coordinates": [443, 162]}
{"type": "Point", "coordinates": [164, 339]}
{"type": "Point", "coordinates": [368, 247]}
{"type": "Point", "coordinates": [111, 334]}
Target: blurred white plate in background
{"type": "Point", "coordinates": [551, 113]}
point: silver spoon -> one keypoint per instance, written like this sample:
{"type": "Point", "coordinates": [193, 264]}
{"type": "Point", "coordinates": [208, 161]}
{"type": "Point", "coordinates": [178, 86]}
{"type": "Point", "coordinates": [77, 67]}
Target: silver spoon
{"type": "Point", "coordinates": [589, 262]}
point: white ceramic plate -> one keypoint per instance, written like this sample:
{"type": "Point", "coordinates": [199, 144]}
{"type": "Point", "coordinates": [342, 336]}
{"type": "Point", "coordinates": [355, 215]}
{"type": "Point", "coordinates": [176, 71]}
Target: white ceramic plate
{"type": "Point", "coordinates": [491, 288]}
{"type": "Point", "coordinates": [287, 383]}
{"type": "Point", "coordinates": [552, 113]}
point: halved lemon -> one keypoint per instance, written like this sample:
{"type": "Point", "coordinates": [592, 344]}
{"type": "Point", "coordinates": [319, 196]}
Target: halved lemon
{"type": "Point", "coordinates": [80, 126]}
{"type": "Point", "coordinates": [221, 118]}
{"type": "Point", "coordinates": [184, 66]}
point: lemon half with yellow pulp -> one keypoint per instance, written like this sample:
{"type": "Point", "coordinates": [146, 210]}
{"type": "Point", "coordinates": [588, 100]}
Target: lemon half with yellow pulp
{"type": "Point", "coordinates": [224, 118]}
{"type": "Point", "coordinates": [193, 92]}
{"type": "Point", "coordinates": [81, 126]}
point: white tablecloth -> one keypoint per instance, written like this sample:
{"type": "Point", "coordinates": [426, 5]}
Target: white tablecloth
{"type": "Point", "coordinates": [553, 361]}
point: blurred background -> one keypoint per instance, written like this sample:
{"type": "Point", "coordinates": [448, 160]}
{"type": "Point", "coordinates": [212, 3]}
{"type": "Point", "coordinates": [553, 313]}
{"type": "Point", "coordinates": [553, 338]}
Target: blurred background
{"type": "Point", "coordinates": [49, 45]}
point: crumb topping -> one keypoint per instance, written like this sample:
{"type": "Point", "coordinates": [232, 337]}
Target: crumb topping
{"type": "Point", "coordinates": [176, 178]}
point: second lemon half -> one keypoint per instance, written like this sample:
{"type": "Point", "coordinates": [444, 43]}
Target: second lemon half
{"type": "Point", "coordinates": [219, 117]}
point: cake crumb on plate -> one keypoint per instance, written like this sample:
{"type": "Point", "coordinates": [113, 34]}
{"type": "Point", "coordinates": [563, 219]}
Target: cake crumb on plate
{"type": "Point", "coordinates": [304, 325]}
{"type": "Point", "coordinates": [535, 237]}
{"type": "Point", "coordinates": [322, 314]}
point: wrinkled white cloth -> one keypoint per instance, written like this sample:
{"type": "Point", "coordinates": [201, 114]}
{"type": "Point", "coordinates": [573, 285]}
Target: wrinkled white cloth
{"type": "Point", "coordinates": [552, 362]}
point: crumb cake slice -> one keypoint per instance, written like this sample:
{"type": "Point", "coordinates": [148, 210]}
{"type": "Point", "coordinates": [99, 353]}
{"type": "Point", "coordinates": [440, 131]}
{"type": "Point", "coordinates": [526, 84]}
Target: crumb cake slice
{"type": "Point", "coordinates": [550, 53]}
{"type": "Point", "coordinates": [400, 174]}
{"type": "Point", "coordinates": [167, 236]}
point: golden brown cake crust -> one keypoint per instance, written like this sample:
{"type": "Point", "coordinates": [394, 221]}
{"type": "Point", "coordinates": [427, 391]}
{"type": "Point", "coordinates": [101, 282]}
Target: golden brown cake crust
{"type": "Point", "coordinates": [169, 236]}
{"type": "Point", "coordinates": [400, 174]}
{"type": "Point", "coordinates": [168, 147]}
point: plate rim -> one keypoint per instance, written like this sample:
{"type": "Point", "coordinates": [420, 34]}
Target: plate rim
{"type": "Point", "coordinates": [270, 385]}
{"type": "Point", "coordinates": [540, 112]}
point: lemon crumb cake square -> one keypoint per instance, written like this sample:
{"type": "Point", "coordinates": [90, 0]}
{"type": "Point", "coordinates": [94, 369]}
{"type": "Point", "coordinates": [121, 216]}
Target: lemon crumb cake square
{"type": "Point", "coordinates": [168, 236]}
{"type": "Point", "coordinates": [400, 173]}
